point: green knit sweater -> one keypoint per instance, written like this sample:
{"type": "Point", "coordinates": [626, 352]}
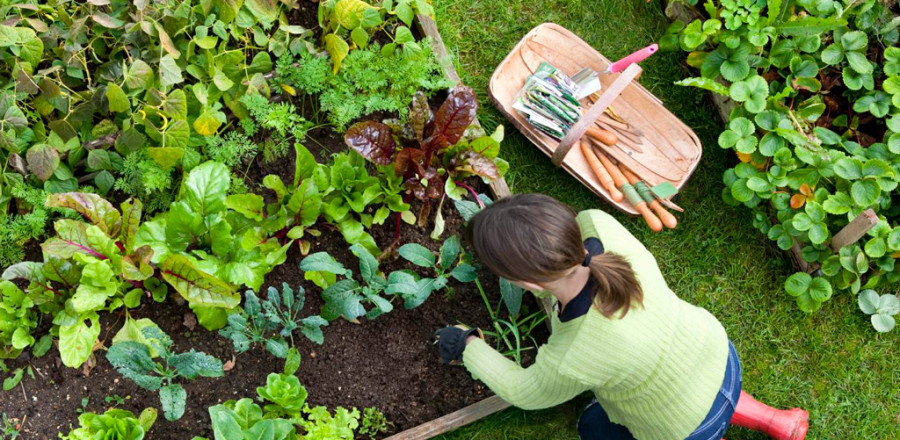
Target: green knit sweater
{"type": "Point", "coordinates": [655, 371]}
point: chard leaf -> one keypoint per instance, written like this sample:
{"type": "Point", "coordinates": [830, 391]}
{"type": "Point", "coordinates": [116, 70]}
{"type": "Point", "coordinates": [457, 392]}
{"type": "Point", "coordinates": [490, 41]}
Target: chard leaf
{"type": "Point", "coordinates": [453, 117]}
{"type": "Point", "coordinates": [131, 221]}
{"type": "Point", "coordinates": [205, 188]}
{"type": "Point", "coordinates": [92, 207]}
{"type": "Point", "coordinates": [196, 286]}
{"type": "Point", "coordinates": [76, 341]}
{"type": "Point", "coordinates": [420, 115]}
{"type": "Point", "coordinates": [373, 140]}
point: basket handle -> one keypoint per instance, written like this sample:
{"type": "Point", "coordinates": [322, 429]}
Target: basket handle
{"type": "Point", "coordinates": [578, 130]}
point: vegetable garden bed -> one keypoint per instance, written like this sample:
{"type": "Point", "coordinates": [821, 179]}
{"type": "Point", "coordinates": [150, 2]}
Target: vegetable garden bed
{"type": "Point", "coordinates": [386, 363]}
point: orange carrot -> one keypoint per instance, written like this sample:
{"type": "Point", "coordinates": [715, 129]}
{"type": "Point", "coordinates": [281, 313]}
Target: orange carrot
{"type": "Point", "coordinates": [605, 136]}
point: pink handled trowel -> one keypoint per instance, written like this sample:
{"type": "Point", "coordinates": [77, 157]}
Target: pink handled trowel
{"type": "Point", "coordinates": [587, 79]}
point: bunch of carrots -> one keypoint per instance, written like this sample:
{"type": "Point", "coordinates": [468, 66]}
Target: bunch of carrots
{"type": "Point", "coordinates": [618, 180]}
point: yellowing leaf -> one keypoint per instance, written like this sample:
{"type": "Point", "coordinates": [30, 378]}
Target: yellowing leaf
{"type": "Point", "coordinates": [166, 42]}
{"type": "Point", "coordinates": [166, 157]}
{"type": "Point", "coordinates": [206, 124]}
{"type": "Point", "coordinates": [338, 49]}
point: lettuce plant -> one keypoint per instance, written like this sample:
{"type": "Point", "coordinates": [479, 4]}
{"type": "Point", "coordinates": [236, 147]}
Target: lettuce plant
{"type": "Point", "coordinates": [286, 415]}
{"type": "Point", "coordinates": [341, 193]}
{"type": "Point", "coordinates": [17, 320]}
{"type": "Point", "coordinates": [134, 361]}
{"type": "Point", "coordinates": [433, 153]}
{"type": "Point", "coordinates": [114, 424]}
{"type": "Point", "coordinates": [271, 322]}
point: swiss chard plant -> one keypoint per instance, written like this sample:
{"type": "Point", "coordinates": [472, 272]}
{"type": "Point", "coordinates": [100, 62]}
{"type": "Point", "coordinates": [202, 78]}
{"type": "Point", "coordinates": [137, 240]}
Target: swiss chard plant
{"type": "Point", "coordinates": [360, 20]}
{"type": "Point", "coordinates": [89, 266]}
{"type": "Point", "coordinates": [431, 152]}
{"type": "Point", "coordinates": [194, 247]}
{"type": "Point", "coordinates": [271, 322]}
{"type": "Point", "coordinates": [816, 127]}
{"type": "Point", "coordinates": [114, 424]}
{"type": "Point", "coordinates": [134, 361]}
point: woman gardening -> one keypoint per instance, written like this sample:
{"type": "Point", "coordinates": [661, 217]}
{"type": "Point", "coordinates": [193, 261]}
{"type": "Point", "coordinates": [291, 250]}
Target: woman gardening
{"type": "Point", "coordinates": [659, 367]}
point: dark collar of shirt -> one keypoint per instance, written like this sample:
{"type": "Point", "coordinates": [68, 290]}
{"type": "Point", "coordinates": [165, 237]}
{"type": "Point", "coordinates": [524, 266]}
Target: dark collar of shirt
{"type": "Point", "coordinates": [581, 304]}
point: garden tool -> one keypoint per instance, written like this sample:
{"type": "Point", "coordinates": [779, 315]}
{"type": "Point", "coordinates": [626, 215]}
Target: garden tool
{"type": "Point", "coordinates": [646, 193]}
{"type": "Point", "coordinates": [630, 193]}
{"type": "Point", "coordinates": [790, 424]}
{"type": "Point", "coordinates": [588, 80]}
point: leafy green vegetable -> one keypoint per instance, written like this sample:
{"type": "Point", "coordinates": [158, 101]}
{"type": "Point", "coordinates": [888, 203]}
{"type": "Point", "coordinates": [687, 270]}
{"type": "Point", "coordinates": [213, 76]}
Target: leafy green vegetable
{"type": "Point", "coordinates": [272, 322]}
{"type": "Point", "coordinates": [133, 360]}
{"type": "Point", "coordinates": [114, 424]}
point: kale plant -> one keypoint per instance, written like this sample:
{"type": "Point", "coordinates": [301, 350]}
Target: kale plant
{"type": "Point", "coordinates": [272, 322]}
{"type": "Point", "coordinates": [134, 361]}
{"type": "Point", "coordinates": [343, 295]}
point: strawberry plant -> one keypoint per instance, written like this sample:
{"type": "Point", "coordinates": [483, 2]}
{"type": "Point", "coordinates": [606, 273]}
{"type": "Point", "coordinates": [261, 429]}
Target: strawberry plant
{"type": "Point", "coordinates": [816, 127]}
{"type": "Point", "coordinates": [271, 322]}
{"type": "Point", "coordinates": [134, 361]}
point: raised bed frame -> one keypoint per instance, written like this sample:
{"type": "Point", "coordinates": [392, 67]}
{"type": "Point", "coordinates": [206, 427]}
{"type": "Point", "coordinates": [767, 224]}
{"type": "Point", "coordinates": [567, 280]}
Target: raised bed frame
{"type": "Point", "coordinates": [853, 232]}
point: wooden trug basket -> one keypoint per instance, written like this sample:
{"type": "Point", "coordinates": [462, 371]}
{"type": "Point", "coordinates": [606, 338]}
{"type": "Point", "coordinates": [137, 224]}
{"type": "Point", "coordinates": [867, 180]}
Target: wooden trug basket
{"type": "Point", "coordinates": [669, 149]}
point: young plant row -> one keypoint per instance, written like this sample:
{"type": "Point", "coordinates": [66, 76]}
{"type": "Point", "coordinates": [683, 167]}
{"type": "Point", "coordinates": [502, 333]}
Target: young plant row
{"type": "Point", "coordinates": [816, 127]}
{"type": "Point", "coordinates": [284, 415]}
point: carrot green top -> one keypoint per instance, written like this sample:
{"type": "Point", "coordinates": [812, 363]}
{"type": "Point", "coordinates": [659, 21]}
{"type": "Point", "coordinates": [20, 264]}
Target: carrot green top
{"type": "Point", "coordinates": [656, 371]}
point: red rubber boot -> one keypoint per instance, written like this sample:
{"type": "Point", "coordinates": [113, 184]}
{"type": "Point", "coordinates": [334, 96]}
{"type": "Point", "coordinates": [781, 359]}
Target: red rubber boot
{"type": "Point", "coordinates": [790, 424]}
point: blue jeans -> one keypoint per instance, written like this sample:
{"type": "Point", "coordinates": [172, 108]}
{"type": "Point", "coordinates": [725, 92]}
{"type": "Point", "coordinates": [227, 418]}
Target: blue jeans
{"type": "Point", "coordinates": [594, 424]}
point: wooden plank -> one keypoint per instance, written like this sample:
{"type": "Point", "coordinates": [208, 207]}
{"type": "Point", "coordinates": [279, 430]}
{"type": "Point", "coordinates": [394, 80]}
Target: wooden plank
{"type": "Point", "coordinates": [854, 230]}
{"type": "Point", "coordinates": [428, 27]}
{"type": "Point", "coordinates": [453, 420]}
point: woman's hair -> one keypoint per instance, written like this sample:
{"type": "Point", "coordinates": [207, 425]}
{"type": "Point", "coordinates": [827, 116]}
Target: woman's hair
{"type": "Point", "coordinates": [535, 238]}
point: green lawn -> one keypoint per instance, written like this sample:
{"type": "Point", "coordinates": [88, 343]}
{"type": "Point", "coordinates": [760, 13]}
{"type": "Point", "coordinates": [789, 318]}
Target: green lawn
{"type": "Point", "coordinates": [831, 363]}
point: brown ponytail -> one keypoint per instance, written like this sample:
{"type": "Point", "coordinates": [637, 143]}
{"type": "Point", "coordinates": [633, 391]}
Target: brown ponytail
{"type": "Point", "coordinates": [535, 238]}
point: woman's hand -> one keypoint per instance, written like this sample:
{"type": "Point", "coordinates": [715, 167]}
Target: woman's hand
{"type": "Point", "coordinates": [452, 341]}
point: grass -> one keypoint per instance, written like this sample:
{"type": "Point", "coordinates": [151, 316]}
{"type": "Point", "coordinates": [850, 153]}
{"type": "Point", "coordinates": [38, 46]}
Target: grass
{"type": "Point", "coordinates": [831, 363]}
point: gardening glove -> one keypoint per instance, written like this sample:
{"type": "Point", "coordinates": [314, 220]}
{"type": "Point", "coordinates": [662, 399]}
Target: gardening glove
{"type": "Point", "coordinates": [451, 342]}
